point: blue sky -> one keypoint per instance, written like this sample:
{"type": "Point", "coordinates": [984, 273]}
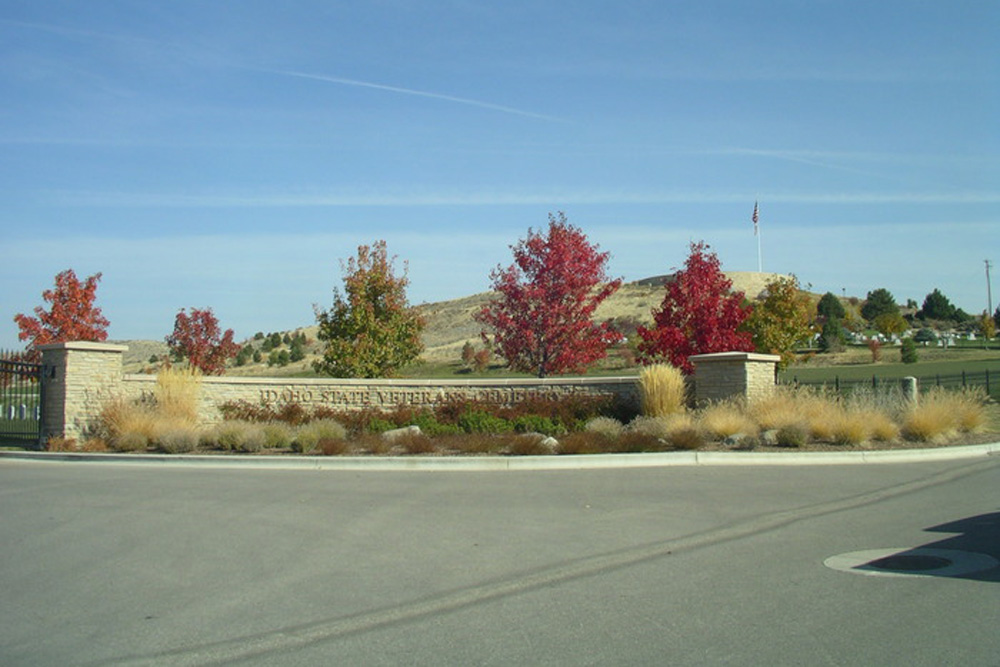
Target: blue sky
{"type": "Point", "coordinates": [229, 155]}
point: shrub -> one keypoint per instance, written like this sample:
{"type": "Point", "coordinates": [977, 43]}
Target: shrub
{"type": "Point", "coordinates": [632, 442]}
{"type": "Point", "coordinates": [94, 445]}
{"type": "Point", "coordinates": [537, 424]}
{"type": "Point", "coordinates": [605, 426]}
{"type": "Point", "coordinates": [331, 446]}
{"type": "Point", "coordinates": [480, 421]}
{"type": "Point", "coordinates": [179, 440]}
{"type": "Point", "coordinates": [583, 442]}
{"type": "Point", "coordinates": [686, 438]}
{"type": "Point", "coordinates": [60, 444]}
{"type": "Point", "coordinates": [309, 435]}
{"type": "Point", "coordinates": [908, 352]}
{"type": "Point", "coordinates": [528, 444]}
{"type": "Point", "coordinates": [662, 390]}
{"type": "Point", "coordinates": [416, 443]}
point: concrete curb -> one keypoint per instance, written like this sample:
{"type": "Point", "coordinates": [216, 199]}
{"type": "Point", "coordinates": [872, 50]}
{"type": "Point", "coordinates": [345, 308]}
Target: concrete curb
{"type": "Point", "coordinates": [512, 463]}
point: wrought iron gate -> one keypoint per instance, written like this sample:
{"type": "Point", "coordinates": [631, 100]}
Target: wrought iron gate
{"type": "Point", "coordinates": [21, 393]}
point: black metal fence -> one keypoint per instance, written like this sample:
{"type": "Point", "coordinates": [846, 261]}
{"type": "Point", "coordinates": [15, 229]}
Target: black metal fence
{"type": "Point", "coordinates": [988, 380]}
{"type": "Point", "coordinates": [21, 387]}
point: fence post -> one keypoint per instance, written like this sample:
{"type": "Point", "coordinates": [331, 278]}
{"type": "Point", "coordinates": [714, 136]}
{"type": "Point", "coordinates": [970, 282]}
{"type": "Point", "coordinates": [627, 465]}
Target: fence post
{"type": "Point", "coordinates": [910, 390]}
{"type": "Point", "coordinates": [963, 378]}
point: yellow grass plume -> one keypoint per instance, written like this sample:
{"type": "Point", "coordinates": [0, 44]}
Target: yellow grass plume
{"type": "Point", "coordinates": [662, 389]}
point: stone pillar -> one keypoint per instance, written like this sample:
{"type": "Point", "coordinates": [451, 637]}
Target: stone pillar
{"type": "Point", "coordinates": [80, 377]}
{"type": "Point", "coordinates": [725, 375]}
{"type": "Point", "coordinates": [910, 390]}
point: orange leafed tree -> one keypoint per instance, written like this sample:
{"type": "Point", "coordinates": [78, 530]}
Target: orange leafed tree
{"type": "Point", "coordinates": [71, 317]}
{"type": "Point", "coordinates": [199, 339]}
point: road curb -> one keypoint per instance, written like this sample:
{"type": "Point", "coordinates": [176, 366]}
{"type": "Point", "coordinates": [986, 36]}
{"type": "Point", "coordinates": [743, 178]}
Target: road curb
{"type": "Point", "coordinates": [512, 463]}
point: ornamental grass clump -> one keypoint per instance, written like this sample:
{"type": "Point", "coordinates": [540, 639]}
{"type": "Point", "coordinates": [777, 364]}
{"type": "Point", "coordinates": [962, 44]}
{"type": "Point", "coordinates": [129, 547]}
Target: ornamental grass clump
{"type": "Point", "coordinates": [176, 395]}
{"type": "Point", "coordinates": [850, 428]}
{"type": "Point", "coordinates": [127, 426]}
{"type": "Point", "coordinates": [723, 419]}
{"type": "Point", "coordinates": [179, 440]}
{"type": "Point", "coordinates": [662, 390]}
{"type": "Point", "coordinates": [278, 435]}
{"type": "Point", "coordinates": [239, 436]}
{"type": "Point", "coordinates": [308, 436]}
{"type": "Point", "coordinates": [778, 410]}
{"type": "Point", "coordinates": [940, 414]}
{"type": "Point", "coordinates": [607, 427]}
{"type": "Point", "coordinates": [661, 427]}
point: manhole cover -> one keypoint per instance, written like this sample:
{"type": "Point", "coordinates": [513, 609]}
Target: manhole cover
{"type": "Point", "coordinates": [904, 562]}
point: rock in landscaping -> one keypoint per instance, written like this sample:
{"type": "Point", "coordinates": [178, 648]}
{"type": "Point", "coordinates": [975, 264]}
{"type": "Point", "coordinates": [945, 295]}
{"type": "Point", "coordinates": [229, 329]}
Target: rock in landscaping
{"type": "Point", "coordinates": [397, 433]}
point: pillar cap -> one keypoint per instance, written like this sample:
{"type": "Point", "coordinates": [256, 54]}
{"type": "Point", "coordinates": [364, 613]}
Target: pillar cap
{"type": "Point", "coordinates": [84, 346]}
{"type": "Point", "coordinates": [734, 356]}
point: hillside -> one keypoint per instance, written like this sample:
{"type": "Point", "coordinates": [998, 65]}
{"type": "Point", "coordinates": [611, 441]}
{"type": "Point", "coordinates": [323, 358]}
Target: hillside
{"type": "Point", "coordinates": [450, 323]}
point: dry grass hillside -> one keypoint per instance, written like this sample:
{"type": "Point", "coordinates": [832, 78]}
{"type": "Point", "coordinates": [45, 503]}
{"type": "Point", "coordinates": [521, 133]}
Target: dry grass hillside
{"type": "Point", "coordinates": [450, 323]}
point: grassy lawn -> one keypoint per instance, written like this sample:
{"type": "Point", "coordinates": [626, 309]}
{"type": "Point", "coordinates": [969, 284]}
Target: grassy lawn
{"type": "Point", "coordinates": [857, 365]}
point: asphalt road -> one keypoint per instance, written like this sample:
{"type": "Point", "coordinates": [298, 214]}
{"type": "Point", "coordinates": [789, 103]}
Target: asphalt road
{"type": "Point", "coordinates": [109, 564]}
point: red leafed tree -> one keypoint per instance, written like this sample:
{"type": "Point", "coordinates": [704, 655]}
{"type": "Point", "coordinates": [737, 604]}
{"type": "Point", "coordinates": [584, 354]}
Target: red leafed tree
{"type": "Point", "coordinates": [542, 317]}
{"type": "Point", "coordinates": [699, 315]}
{"type": "Point", "coordinates": [198, 338]}
{"type": "Point", "coordinates": [72, 317]}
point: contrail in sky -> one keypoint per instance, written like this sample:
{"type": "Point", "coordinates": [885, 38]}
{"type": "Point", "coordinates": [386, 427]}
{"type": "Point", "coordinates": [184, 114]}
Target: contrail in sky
{"type": "Point", "coordinates": [417, 93]}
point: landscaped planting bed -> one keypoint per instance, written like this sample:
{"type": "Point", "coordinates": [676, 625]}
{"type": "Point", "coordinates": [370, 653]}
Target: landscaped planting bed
{"type": "Point", "coordinates": [791, 419]}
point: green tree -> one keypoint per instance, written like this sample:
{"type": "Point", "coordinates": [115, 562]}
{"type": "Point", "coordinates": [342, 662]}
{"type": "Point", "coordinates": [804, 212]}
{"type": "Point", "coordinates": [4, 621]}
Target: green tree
{"type": "Point", "coordinates": [371, 331]}
{"type": "Point", "coordinates": [908, 352]}
{"type": "Point", "coordinates": [779, 321]}
{"type": "Point", "coordinates": [987, 327]}
{"type": "Point", "coordinates": [889, 324]}
{"type": "Point", "coordinates": [830, 307]}
{"type": "Point", "coordinates": [937, 307]}
{"type": "Point", "coordinates": [879, 302]}
{"type": "Point", "coordinates": [831, 339]}
{"type": "Point", "coordinates": [297, 350]}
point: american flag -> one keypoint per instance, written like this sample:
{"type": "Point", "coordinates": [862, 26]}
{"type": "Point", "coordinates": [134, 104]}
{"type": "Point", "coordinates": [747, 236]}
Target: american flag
{"type": "Point", "coordinates": [756, 218]}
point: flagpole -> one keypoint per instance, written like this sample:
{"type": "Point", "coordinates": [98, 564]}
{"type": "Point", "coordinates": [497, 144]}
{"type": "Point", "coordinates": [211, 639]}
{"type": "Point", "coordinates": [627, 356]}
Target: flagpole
{"type": "Point", "coordinates": [756, 232]}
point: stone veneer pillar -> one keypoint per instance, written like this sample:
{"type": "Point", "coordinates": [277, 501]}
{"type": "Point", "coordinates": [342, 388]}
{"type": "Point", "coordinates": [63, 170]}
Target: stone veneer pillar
{"type": "Point", "coordinates": [733, 375]}
{"type": "Point", "coordinates": [80, 377]}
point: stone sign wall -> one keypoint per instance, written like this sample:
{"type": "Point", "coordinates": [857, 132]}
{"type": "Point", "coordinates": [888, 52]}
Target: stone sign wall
{"type": "Point", "coordinates": [84, 376]}
{"type": "Point", "coordinates": [351, 394]}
